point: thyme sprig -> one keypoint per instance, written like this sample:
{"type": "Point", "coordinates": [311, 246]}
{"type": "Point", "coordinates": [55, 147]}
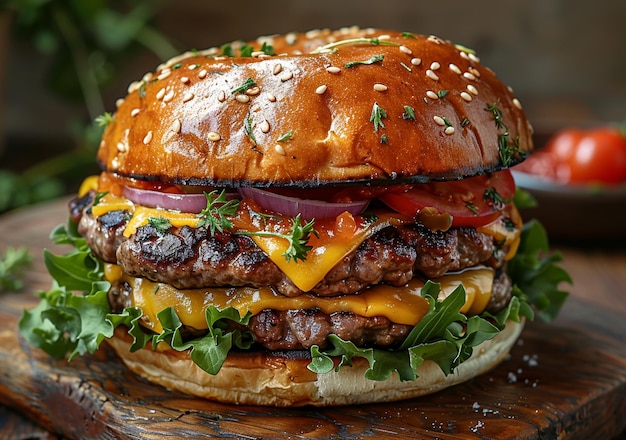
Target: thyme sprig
{"type": "Point", "coordinates": [507, 149]}
{"type": "Point", "coordinates": [377, 116]}
{"type": "Point", "coordinates": [373, 60]}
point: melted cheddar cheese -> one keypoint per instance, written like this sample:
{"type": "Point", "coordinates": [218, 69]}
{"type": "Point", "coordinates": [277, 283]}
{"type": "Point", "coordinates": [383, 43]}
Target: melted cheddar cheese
{"type": "Point", "coordinates": [402, 305]}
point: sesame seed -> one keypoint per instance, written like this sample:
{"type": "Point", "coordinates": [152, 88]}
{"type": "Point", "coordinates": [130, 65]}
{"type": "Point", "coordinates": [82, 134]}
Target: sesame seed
{"type": "Point", "coordinates": [473, 90]}
{"type": "Point", "coordinates": [242, 98]}
{"type": "Point", "coordinates": [222, 96]}
{"type": "Point", "coordinates": [286, 76]}
{"type": "Point", "coordinates": [277, 69]}
{"type": "Point", "coordinates": [160, 94]}
{"type": "Point", "coordinates": [121, 147]}
{"type": "Point", "coordinates": [474, 72]}
{"type": "Point", "coordinates": [449, 130]}
{"type": "Point", "coordinates": [133, 86]}
{"type": "Point", "coordinates": [434, 65]}
{"type": "Point", "coordinates": [119, 102]}
{"type": "Point", "coordinates": [455, 68]}
{"type": "Point", "coordinates": [265, 126]}
{"type": "Point", "coordinates": [380, 87]}
{"type": "Point", "coordinates": [333, 69]}
{"type": "Point", "coordinates": [321, 89]}
{"type": "Point", "coordinates": [134, 112]}
{"type": "Point", "coordinates": [146, 76]}
{"type": "Point", "coordinates": [168, 96]}
{"type": "Point", "coordinates": [291, 38]}
{"type": "Point", "coordinates": [202, 74]}
{"type": "Point", "coordinates": [271, 97]}
{"type": "Point", "coordinates": [432, 95]}
{"type": "Point", "coordinates": [147, 138]}
{"type": "Point", "coordinates": [474, 58]}
{"type": "Point", "coordinates": [280, 150]}
{"type": "Point", "coordinates": [257, 54]}
{"type": "Point", "coordinates": [432, 75]}
{"type": "Point", "coordinates": [416, 61]}
{"type": "Point", "coordinates": [517, 103]}
{"type": "Point", "coordinates": [188, 96]}
{"type": "Point", "coordinates": [164, 74]}
{"type": "Point", "coordinates": [469, 76]}
{"type": "Point", "coordinates": [466, 96]}
{"type": "Point", "coordinates": [406, 50]}
{"type": "Point", "coordinates": [464, 55]}
{"type": "Point", "coordinates": [213, 136]}
{"type": "Point", "coordinates": [253, 91]}
{"type": "Point", "coordinates": [184, 80]}
{"type": "Point", "coordinates": [115, 163]}
{"type": "Point", "coordinates": [439, 120]}
{"type": "Point", "coordinates": [176, 126]}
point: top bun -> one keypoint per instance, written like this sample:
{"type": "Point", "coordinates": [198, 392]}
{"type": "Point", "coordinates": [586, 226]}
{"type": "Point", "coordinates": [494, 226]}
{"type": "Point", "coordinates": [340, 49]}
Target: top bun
{"type": "Point", "coordinates": [354, 105]}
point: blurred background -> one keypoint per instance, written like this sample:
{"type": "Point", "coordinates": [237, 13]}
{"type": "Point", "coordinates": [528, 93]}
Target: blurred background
{"type": "Point", "coordinates": [64, 62]}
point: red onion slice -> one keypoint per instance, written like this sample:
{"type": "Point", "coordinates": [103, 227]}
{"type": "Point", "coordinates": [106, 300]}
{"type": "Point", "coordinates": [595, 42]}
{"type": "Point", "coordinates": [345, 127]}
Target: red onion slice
{"type": "Point", "coordinates": [193, 203]}
{"type": "Point", "coordinates": [308, 208]}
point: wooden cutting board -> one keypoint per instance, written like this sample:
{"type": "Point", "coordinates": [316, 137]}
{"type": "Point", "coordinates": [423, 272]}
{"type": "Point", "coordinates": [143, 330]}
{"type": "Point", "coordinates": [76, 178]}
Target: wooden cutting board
{"type": "Point", "coordinates": [564, 380]}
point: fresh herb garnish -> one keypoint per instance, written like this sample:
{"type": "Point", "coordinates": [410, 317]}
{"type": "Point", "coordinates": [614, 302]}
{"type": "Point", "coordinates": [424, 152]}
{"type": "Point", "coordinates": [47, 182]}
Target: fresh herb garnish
{"type": "Point", "coordinates": [247, 126]}
{"type": "Point", "coordinates": [142, 89]}
{"type": "Point", "coordinates": [248, 84]}
{"type": "Point", "coordinates": [98, 197]}
{"type": "Point", "coordinates": [267, 49]}
{"type": "Point", "coordinates": [12, 266]}
{"type": "Point", "coordinates": [409, 113]}
{"type": "Point", "coordinates": [298, 238]}
{"type": "Point", "coordinates": [246, 50]}
{"type": "Point", "coordinates": [227, 50]}
{"type": "Point", "coordinates": [285, 137]}
{"type": "Point", "coordinates": [384, 139]}
{"type": "Point", "coordinates": [377, 116]}
{"type": "Point", "coordinates": [493, 198]}
{"type": "Point", "coordinates": [217, 212]}
{"type": "Point", "coordinates": [374, 59]}
{"type": "Point", "coordinates": [506, 149]}
{"type": "Point", "coordinates": [161, 224]}
{"type": "Point", "coordinates": [464, 121]}
{"type": "Point", "coordinates": [442, 93]}
{"type": "Point", "coordinates": [407, 35]}
{"type": "Point", "coordinates": [176, 66]}
{"type": "Point", "coordinates": [104, 119]}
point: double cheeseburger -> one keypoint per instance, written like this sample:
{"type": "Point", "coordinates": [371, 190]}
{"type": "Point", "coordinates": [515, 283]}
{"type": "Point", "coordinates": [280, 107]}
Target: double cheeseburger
{"type": "Point", "coordinates": [306, 219]}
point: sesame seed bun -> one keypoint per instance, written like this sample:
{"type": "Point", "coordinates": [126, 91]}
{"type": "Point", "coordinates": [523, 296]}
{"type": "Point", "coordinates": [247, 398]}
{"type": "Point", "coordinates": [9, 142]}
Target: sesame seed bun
{"type": "Point", "coordinates": [284, 381]}
{"type": "Point", "coordinates": [329, 107]}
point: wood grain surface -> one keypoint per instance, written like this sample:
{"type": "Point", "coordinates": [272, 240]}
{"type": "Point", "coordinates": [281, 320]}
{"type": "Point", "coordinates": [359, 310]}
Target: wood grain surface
{"type": "Point", "coordinates": [563, 380]}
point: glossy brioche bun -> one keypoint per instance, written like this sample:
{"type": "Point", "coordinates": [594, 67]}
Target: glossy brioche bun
{"type": "Point", "coordinates": [188, 123]}
{"type": "Point", "coordinates": [275, 380]}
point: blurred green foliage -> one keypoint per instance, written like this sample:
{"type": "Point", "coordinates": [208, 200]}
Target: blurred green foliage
{"type": "Point", "coordinates": [84, 41]}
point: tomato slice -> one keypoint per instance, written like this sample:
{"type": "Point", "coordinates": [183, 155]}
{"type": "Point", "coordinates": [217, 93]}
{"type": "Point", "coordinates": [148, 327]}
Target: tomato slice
{"type": "Point", "coordinates": [475, 201]}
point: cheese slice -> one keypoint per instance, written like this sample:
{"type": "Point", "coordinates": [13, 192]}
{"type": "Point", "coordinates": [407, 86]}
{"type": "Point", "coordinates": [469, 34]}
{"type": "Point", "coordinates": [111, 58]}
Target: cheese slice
{"type": "Point", "coordinates": [325, 255]}
{"type": "Point", "coordinates": [402, 305]}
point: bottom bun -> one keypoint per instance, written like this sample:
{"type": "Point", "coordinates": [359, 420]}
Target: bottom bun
{"type": "Point", "coordinates": [284, 380]}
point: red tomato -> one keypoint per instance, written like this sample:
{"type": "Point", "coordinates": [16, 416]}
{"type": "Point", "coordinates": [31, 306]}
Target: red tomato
{"type": "Point", "coordinates": [476, 201]}
{"type": "Point", "coordinates": [572, 155]}
{"type": "Point", "coordinates": [599, 157]}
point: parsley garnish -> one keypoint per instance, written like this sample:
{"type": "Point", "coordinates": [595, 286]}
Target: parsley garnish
{"type": "Point", "coordinates": [161, 224]}
{"type": "Point", "coordinates": [298, 238]}
{"type": "Point", "coordinates": [246, 50]}
{"type": "Point", "coordinates": [409, 113]}
{"type": "Point", "coordinates": [227, 50]}
{"type": "Point", "coordinates": [104, 119]}
{"type": "Point", "coordinates": [245, 86]}
{"type": "Point", "coordinates": [218, 209]}
{"type": "Point", "coordinates": [378, 114]}
{"type": "Point", "coordinates": [384, 139]}
{"type": "Point", "coordinates": [374, 59]}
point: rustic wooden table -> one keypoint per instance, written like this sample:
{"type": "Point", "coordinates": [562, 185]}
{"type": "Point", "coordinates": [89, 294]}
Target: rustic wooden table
{"type": "Point", "coordinates": [564, 380]}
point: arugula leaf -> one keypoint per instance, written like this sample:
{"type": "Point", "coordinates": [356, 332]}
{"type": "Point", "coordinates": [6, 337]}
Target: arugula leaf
{"type": "Point", "coordinates": [12, 266]}
{"type": "Point", "coordinates": [535, 272]}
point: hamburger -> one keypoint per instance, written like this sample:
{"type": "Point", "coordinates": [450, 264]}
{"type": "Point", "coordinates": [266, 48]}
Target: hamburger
{"type": "Point", "coordinates": [306, 219]}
